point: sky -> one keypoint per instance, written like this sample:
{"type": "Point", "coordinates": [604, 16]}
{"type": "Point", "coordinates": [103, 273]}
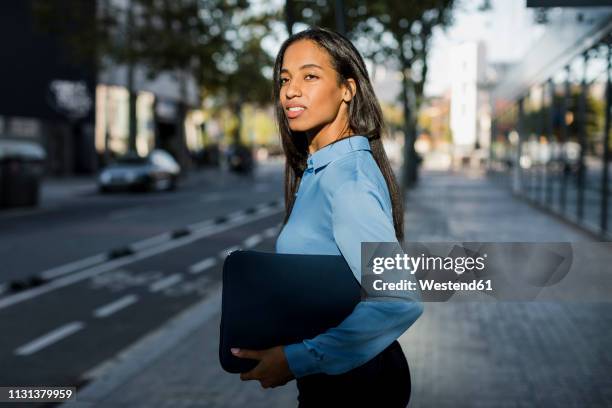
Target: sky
{"type": "Point", "coordinates": [507, 30]}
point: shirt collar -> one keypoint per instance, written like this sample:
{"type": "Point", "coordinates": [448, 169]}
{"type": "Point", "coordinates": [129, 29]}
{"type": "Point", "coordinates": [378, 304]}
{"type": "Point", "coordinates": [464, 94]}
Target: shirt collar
{"type": "Point", "coordinates": [330, 152]}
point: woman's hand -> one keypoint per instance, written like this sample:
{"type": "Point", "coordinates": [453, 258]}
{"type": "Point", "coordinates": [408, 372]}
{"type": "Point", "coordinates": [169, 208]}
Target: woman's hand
{"type": "Point", "coordinates": [272, 370]}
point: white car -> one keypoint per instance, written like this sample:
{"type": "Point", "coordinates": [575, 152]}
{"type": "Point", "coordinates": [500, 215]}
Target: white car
{"type": "Point", "coordinates": [157, 171]}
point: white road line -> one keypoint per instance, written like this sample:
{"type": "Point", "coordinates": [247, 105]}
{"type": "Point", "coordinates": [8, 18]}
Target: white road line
{"type": "Point", "coordinates": [119, 262]}
{"type": "Point", "coordinates": [270, 232]}
{"type": "Point", "coordinates": [106, 377]}
{"type": "Point", "coordinates": [203, 265]}
{"type": "Point", "coordinates": [200, 225]}
{"type": "Point", "coordinates": [136, 246]}
{"type": "Point", "coordinates": [227, 251]}
{"type": "Point", "coordinates": [49, 338]}
{"type": "Point", "coordinates": [252, 241]}
{"type": "Point", "coordinates": [149, 242]}
{"type": "Point", "coordinates": [262, 207]}
{"type": "Point", "coordinates": [109, 309]}
{"type": "Point", "coordinates": [237, 216]}
{"type": "Point", "coordinates": [73, 266]}
{"type": "Point", "coordinates": [165, 282]}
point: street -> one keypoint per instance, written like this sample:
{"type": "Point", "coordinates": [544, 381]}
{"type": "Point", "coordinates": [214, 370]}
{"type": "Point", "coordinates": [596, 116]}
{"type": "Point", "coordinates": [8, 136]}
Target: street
{"type": "Point", "coordinates": [116, 267]}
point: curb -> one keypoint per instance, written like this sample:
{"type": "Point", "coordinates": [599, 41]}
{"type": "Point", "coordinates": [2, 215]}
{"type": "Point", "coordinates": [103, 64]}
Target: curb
{"type": "Point", "coordinates": [103, 379]}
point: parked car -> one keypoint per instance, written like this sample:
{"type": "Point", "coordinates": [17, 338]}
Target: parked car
{"type": "Point", "coordinates": [240, 158]}
{"type": "Point", "coordinates": [21, 169]}
{"type": "Point", "coordinates": [157, 171]}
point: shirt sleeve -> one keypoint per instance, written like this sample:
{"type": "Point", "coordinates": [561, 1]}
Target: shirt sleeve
{"type": "Point", "coordinates": [358, 216]}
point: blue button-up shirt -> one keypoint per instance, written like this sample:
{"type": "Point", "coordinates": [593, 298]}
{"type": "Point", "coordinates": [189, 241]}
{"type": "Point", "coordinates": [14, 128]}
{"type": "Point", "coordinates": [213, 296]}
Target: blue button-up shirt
{"type": "Point", "coordinates": [343, 200]}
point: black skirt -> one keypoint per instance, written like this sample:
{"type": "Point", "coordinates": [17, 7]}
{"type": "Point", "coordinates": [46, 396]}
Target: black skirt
{"type": "Point", "coordinates": [384, 381]}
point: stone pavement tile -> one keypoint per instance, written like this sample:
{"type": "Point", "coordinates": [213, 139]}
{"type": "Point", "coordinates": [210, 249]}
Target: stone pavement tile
{"type": "Point", "coordinates": [190, 376]}
{"type": "Point", "coordinates": [511, 354]}
{"type": "Point", "coordinates": [455, 207]}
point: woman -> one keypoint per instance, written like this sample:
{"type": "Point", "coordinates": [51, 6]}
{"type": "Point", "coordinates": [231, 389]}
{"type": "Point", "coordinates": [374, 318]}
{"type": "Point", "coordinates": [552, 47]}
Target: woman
{"type": "Point", "coordinates": [339, 191]}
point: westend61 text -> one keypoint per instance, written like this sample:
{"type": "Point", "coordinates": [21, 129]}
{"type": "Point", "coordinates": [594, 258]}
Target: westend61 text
{"type": "Point", "coordinates": [429, 285]}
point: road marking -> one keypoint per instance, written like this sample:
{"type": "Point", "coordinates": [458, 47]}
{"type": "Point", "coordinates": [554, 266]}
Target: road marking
{"type": "Point", "coordinates": [237, 216]}
{"type": "Point", "coordinates": [137, 246]}
{"type": "Point", "coordinates": [149, 242]}
{"type": "Point", "coordinates": [165, 282]}
{"type": "Point", "coordinates": [203, 265]}
{"type": "Point", "coordinates": [200, 225]}
{"type": "Point", "coordinates": [270, 232]}
{"type": "Point", "coordinates": [3, 288]}
{"type": "Point", "coordinates": [73, 266]}
{"type": "Point", "coordinates": [109, 309]}
{"type": "Point", "coordinates": [119, 262]}
{"type": "Point", "coordinates": [49, 338]}
{"type": "Point", "coordinates": [107, 376]}
{"type": "Point", "coordinates": [252, 241]}
{"type": "Point", "coordinates": [224, 253]}
{"type": "Point", "coordinates": [123, 279]}
{"type": "Point", "coordinates": [262, 207]}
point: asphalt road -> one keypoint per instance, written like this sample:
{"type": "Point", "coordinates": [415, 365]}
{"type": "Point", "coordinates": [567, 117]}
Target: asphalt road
{"type": "Point", "coordinates": [88, 224]}
{"type": "Point", "coordinates": [170, 249]}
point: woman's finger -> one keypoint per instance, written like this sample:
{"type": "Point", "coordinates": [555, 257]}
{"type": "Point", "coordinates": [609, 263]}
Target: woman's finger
{"type": "Point", "coordinates": [244, 353]}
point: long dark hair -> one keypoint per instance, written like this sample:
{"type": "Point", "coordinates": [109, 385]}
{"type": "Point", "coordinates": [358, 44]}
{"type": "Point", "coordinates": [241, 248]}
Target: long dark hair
{"type": "Point", "coordinates": [365, 117]}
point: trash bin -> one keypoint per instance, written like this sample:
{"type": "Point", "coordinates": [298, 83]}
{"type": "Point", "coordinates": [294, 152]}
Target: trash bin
{"type": "Point", "coordinates": [21, 168]}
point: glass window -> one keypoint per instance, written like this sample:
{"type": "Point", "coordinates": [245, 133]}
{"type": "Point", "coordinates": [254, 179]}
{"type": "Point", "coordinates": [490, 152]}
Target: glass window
{"type": "Point", "coordinates": [596, 79]}
{"type": "Point", "coordinates": [558, 135]}
{"type": "Point", "coordinates": [572, 148]}
{"type": "Point", "coordinates": [546, 146]}
{"type": "Point", "coordinates": [503, 150]}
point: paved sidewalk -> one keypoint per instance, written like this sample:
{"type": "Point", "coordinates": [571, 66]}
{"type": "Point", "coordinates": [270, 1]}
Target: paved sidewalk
{"type": "Point", "coordinates": [521, 354]}
{"type": "Point", "coordinates": [518, 354]}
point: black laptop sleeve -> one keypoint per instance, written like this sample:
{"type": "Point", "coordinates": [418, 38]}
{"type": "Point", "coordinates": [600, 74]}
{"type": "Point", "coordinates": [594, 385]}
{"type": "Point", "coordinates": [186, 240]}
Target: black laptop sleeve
{"type": "Point", "coordinates": [271, 299]}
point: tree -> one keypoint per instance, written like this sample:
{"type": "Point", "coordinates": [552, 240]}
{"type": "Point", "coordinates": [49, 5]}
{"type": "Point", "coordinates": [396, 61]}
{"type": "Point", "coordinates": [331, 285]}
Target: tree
{"type": "Point", "coordinates": [184, 37]}
{"type": "Point", "coordinates": [412, 28]}
{"type": "Point", "coordinates": [187, 37]}
{"type": "Point", "coordinates": [243, 63]}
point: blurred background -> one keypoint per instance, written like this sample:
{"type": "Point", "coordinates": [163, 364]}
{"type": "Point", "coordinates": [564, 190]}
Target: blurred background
{"type": "Point", "coordinates": [138, 147]}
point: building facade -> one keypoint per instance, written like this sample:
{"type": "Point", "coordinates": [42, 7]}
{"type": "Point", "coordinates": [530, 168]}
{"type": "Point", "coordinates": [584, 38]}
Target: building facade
{"type": "Point", "coordinates": [47, 97]}
{"type": "Point", "coordinates": [469, 110]}
{"type": "Point", "coordinates": [77, 108]}
{"type": "Point", "coordinates": [550, 137]}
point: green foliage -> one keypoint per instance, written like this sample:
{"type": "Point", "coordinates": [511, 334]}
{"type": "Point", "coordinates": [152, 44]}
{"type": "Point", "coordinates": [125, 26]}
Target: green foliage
{"type": "Point", "coordinates": [386, 31]}
{"type": "Point", "coordinates": [190, 36]}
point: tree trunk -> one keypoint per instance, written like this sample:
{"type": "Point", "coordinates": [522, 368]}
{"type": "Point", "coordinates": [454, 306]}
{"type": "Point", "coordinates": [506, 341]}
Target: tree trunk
{"type": "Point", "coordinates": [130, 83]}
{"type": "Point", "coordinates": [409, 170]}
{"type": "Point", "coordinates": [132, 109]}
{"type": "Point", "coordinates": [289, 16]}
{"type": "Point", "coordinates": [184, 157]}
{"type": "Point", "coordinates": [238, 113]}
